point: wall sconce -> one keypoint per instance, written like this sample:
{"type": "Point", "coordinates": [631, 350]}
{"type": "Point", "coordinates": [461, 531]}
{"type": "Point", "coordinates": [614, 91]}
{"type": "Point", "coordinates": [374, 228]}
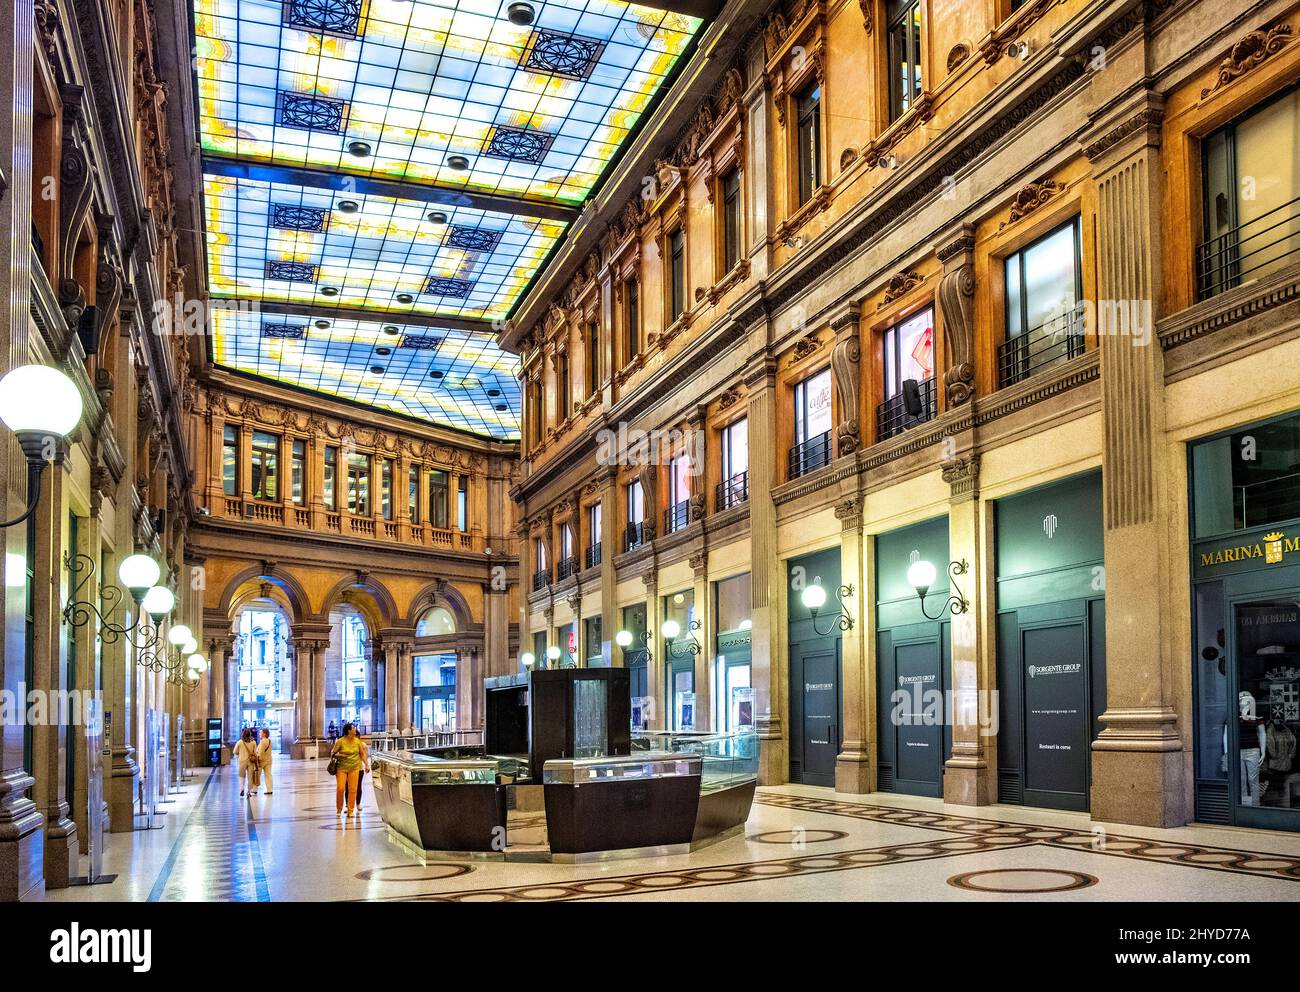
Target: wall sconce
{"type": "Point", "coordinates": [138, 572]}
{"type": "Point", "coordinates": [814, 598]}
{"type": "Point", "coordinates": [180, 665]}
{"type": "Point", "coordinates": [552, 654]}
{"type": "Point", "coordinates": [42, 407]}
{"type": "Point", "coordinates": [624, 640]}
{"type": "Point", "coordinates": [921, 575]}
{"type": "Point", "coordinates": [528, 659]}
{"type": "Point", "coordinates": [672, 630]}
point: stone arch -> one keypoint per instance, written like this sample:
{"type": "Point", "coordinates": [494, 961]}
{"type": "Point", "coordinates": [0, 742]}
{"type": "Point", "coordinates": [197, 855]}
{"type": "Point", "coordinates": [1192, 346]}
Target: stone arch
{"type": "Point", "coordinates": [368, 595]}
{"type": "Point", "coordinates": [441, 593]}
{"type": "Point", "coordinates": [253, 583]}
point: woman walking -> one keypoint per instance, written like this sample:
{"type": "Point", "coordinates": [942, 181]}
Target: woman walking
{"type": "Point", "coordinates": [353, 756]}
{"type": "Point", "coordinates": [265, 756]}
{"type": "Point", "coordinates": [246, 755]}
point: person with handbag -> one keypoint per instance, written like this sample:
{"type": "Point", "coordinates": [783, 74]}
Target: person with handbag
{"type": "Point", "coordinates": [265, 756]}
{"type": "Point", "coordinates": [246, 756]}
{"type": "Point", "coordinates": [347, 758]}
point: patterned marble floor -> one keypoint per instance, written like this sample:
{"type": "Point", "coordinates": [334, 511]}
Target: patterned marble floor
{"type": "Point", "coordinates": [800, 844]}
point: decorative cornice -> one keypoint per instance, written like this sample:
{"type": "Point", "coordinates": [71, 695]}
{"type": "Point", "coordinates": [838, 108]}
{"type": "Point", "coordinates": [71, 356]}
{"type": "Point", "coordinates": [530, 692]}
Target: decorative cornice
{"type": "Point", "coordinates": [1248, 53]}
{"type": "Point", "coordinates": [899, 285]}
{"type": "Point", "coordinates": [1030, 198]}
{"type": "Point", "coordinates": [1148, 120]}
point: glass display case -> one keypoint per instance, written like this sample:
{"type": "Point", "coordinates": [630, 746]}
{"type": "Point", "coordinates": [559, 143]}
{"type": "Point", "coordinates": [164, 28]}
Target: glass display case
{"type": "Point", "coordinates": [727, 760]}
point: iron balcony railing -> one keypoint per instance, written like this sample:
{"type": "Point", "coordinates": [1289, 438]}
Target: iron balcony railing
{"type": "Point", "coordinates": [809, 456]}
{"type": "Point", "coordinates": [892, 416]}
{"type": "Point", "coordinates": [593, 555]}
{"type": "Point", "coordinates": [1268, 241]}
{"type": "Point", "coordinates": [1057, 340]}
{"type": "Point", "coordinates": [677, 516]}
{"type": "Point", "coordinates": [565, 567]}
{"type": "Point", "coordinates": [541, 579]}
{"type": "Point", "coordinates": [1258, 503]}
{"type": "Point", "coordinates": [734, 491]}
{"type": "Point", "coordinates": [634, 537]}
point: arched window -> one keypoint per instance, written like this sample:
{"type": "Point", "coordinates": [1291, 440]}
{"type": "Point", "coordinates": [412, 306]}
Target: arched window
{"type": "Point", "coordinates": [436, 620]}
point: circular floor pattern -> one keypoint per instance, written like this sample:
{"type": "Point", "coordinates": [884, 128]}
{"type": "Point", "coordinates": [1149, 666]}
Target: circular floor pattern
{"type": "Point", "coordinates": [1020, 881]}
{"type": "Point", "coordinates": [435, 871]}
{"type": "Point", "coordinates": [789, 837]}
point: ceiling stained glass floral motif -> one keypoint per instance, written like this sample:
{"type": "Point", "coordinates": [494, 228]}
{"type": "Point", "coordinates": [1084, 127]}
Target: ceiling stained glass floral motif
{"type": "Point", "coordinates": [372, 166]}
{"type": "Point", "coordinates": [458, 378]}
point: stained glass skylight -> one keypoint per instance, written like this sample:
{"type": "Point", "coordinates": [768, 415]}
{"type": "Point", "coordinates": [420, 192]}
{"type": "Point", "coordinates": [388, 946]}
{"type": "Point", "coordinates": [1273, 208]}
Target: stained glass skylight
{"type": "Point", "coordinates": [457, 378]}
{"type": "Point", "coordinates": [538, 110]}
{"type": "Point", "coordinates": [475, 264]}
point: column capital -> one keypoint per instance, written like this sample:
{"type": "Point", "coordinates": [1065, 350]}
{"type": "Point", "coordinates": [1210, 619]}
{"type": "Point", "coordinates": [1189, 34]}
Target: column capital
{"type": "Point", "coordinates": [963, 476]}
{"type": "Point", "coordinates": [1123, 127]}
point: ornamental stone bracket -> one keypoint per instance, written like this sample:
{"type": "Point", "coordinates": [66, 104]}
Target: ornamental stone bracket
{"type": "Point", "coordinates": [956, 300]}
{"type": "Point", "coordinates": [1030, 197]}
{"type": "Point", "coordinates": [846, 368]}
{"type": "Point", "coordinates": [1249, 53]}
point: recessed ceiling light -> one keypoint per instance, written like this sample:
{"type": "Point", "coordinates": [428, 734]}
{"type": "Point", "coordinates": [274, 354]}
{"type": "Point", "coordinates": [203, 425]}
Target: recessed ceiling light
{"type": "Point", "coordinates": [458, 162]}
{"type": "Point", "coordinates": [494, 392]}
{"type": "Point", "coordinates": [377, 369]}
{"type": "Point", "coordinates": [349, 206]}
{"type": "Point", "coordinates": [390, 328]}
{"type": "Point", "coordinates": [436, 217]}
{"type": "Point", "coordinates": [323, 324]}
{"type": "Point", "coordinates": [435, 374]}
{"type": "Point", "coordinates": [502, 407]}
{"type": "Point", "coordinates": [521, 14]}
{"type": "Point", "coordinates": [329, 291]}
{"type": "Point", "coordinates": [360, 149]}
{"type": "Point", "coordinates": [381, 350]}
{"type": "Point", "coordinates": [405, 298]}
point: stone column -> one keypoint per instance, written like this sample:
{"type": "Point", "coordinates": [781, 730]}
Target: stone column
{"type": "Point", "coordinates": [405, 683]}
{"type": "Point", "coordinates": [1137, 763]}
{"type": "Point", "coordinates": [656, 665]}
{"type": "Point", "coordinates": [767, 576]}
{"type": "Point", "coordinates": [854, 768]}
{"type": "Point", "coordinates": [117, 659]}
{"type": "Point", "coordinates": [50, 678]}
{"type": "Point", "coordinates": [707, 637]}
{"type": "Point", "coordinates": [316, 659]}
{"type": "Point", "coordinates": [220, 648]}
{"type": "Point", "coordinates": [86, 646]}
{"type": "Point", "coordinates": [610, 545]}
{"type": "Point", "coordinates": [234, 715]}
{"type": "Point", "coordinates": [391, 692]}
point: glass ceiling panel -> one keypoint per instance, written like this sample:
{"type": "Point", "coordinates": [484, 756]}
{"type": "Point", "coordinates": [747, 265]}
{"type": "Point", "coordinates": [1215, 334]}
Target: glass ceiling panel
{"type": "Point", "coordinates": [288, 243]}
{"type": "Point", "coordinates": [450, 377]}
{"type": "Point", "coordinates": [536, 111]}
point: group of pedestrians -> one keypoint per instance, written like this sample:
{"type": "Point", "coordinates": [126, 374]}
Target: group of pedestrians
{"type": "Point", "coordinates": [255, 758]}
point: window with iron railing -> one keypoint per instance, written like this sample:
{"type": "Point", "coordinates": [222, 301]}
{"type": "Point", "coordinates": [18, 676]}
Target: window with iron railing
{"type": "Point", "coordinates": [812, 424]}
{"type": "Point", "coordinates": [541, 579]}
{"type": "Point", "coordinates": [677, 516]}
{"type": "Point", "coordinates": [732, 492]}
{"type": "Point", "coordinates": [907, 375]}
{"type": "Point", "coordinates": [565, 567]}
{"type": "Point", "coordinates": [809, 456]}
{"type": "Point", "coordinates": [592, 558]}
{"type": "Point", "coordinates": [916, 404]}
{"type": "Point", "coordinates": [1251, 208]}
{"type": "Point", "coordinates": [634, 537]}
{"type": "Point", "coordinates": [1044, 320]}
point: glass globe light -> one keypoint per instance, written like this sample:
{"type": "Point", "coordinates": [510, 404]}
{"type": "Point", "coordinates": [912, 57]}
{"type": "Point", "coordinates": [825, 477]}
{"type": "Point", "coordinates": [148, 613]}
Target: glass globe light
{"type": "Point", "coordinates": [198, 664]}
{"type": "Point", "coordinates": [158, 601]}
{"type": "Point", "coordinates": [921, 575]}
{"type": "Point", "coordinates": [179, 635]}
{"type": "Point", "coordinates": [671, 629]}
{"type": "Point", "coordinates": [528, 658]}
{"type": "Point", "coordinates": [190, 646]}
{"type": "Point", "coordinates": [553, 652]}
{"type": "Point", "coordinates": [39, 399]}
{"type": "Point", "coordinates": [623, 638]}
{"type": "Point", "coordinates": [813, 598]}
{"type": "Point", "coordinates": [138, 572]}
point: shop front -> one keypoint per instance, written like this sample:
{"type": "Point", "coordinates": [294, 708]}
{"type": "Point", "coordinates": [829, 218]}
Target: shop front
{"type": "Point", "coordinates": [1245, 521]}
{"type": "Point", "coordinates": [1051, 641]}
{"type": "Point", "coordinates": [816, 698]}
{"type": "Point", "coordinates": [681, 647]}
{"type": "Point", "coordinates": [913, 663]}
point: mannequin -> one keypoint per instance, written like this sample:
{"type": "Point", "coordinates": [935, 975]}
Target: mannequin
{"type": "Point", "coordinates": [1251, 744]}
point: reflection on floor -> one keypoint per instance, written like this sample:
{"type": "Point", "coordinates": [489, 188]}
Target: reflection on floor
{"type": "Point", "coordinates": [800, 843]}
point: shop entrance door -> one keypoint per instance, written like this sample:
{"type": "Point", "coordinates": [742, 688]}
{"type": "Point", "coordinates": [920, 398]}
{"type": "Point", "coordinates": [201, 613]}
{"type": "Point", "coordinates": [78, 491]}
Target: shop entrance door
{"type": "Point", "coordinates": [817, 714]}
{"type": "Point", "coordinates": [1260, 732]}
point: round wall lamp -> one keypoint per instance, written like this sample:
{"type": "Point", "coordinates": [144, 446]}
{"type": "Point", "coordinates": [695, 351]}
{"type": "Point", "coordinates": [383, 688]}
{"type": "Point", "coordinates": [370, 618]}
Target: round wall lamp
{"type": "Point", "coordinates": [180, 634]}
{"type": "Point", "coordinates": [42, 406]}
{"type": "Point", "coordinates": [528, 658]}
{"type": "Point", "coordinates": [921, 575]}
{"type": "Point", "coordinates": [139, 573]}
{"type": "Point", "coordinates": [158, 602]}
{"type": "Point", "coordinates": [813, 598]}
{"type": "Point", "coordinates": [553, 652]}
{"type": "Point", "coordinates": [623, 638]}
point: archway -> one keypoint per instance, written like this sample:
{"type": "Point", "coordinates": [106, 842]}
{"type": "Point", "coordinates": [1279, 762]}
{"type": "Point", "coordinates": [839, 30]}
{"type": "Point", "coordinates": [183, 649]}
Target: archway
{"type": "Point", "coordinates": [264, 671]}
{"type": "Point", "coordinates": [350, 682]}
{"type": "Point", "coordinates": [433, 671]}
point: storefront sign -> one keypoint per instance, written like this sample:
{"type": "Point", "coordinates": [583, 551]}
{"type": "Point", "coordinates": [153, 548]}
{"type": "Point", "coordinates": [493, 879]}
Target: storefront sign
{"type": "Point", "coordinates": [1269, 550]}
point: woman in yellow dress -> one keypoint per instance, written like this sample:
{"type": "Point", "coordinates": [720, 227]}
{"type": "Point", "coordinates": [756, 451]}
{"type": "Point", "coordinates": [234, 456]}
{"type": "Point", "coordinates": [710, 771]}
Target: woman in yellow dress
{"type": "Point", "coordinates": [352, 755]}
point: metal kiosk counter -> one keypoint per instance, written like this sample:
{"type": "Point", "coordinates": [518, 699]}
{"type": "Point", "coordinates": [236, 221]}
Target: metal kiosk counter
{"type": "Point", "coordinates": [442, 804]}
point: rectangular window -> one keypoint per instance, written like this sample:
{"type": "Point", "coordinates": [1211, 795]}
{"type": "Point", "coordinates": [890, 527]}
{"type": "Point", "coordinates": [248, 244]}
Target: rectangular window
{"type": "Point", "coordinates": [230, 460]}
{"type": "Point", "coordinates": [298, 469]}
{"type": "Point", "coordinates": [540, 549]}
{"type": "Point", "coordinates": [734, 487]}
{"type": "Point", "coordinates": [635, 513]}
{"type": "Point", "coordinates": [679, 493]}
{"type": "Point", "coordinates": [731, 220]}
{"type": "Point", "coordinates": [562, 386]}
{"type": "Point", "coordinates": [536, 412]}
{"type": "Point", "coordinates": [593, 358]}
{"type": "Point", "coordinates": [439, 490]}
{"type": "Point", "coordinates": [413, 495]}
{"type": "Point", "coordinates": [359, 484]}
{"type": "Point", "coordinates": [593, 535]}
{"type": "Point", "coordinates": [633, 319]}
{"type": "Point", "coordinates": [265, 465]}
{"type": "Point", "coordinates": [907, 375]}
{"type": "Point", "coordinates": [809, 135]}
{"type": "Point", "coordinates": [386, 488]}
{"type": "Point", "coordinates": [904, 56]}
{"type": "Point", "coordinates": [1251, 209]}
{"type": "Point", "coordinates": [1044, 284]}
{"type": "Point", "coordinates": [812, 424]}
{"type": "Point", "coordinates": [462, 504]}
{"type": "Point", "coordinates": [329, 496]}
{"type": "Point", "coordinates": [677, 286]}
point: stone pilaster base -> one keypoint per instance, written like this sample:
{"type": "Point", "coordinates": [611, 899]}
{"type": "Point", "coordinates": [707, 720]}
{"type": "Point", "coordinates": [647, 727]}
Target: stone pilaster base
{"type": "Point", "coordinates": [968, 782]}
{"type": "Point", "coordinates": [773, 762]}
{"type": "Point", "coordinates": [1139, 787]}
{"type": "Point", "coordinates": [122, 787]}
{"type": "Point", "coordinates": [62, 858]}
{"type": "Point", "coordinates": [22, 844]}
{"type": "Point", "coordinates": [854, 773]}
